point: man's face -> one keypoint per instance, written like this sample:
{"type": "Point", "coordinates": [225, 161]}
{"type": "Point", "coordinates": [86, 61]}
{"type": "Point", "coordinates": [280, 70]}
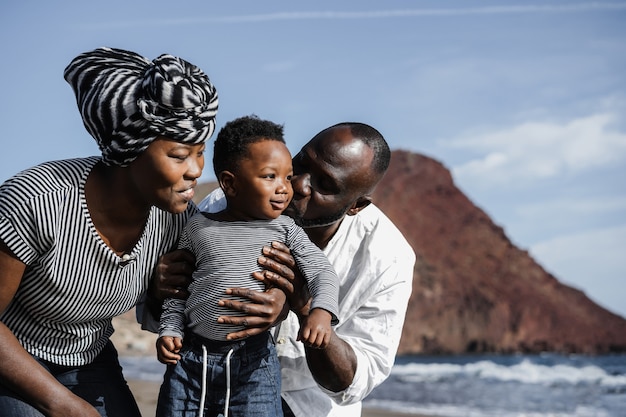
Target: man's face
{"type": "Point", "coordinates": [330, 173]}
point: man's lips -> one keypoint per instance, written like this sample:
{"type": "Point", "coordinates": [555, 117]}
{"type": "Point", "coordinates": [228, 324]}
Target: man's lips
{"type": "Point", "coordinates": [290, 210]}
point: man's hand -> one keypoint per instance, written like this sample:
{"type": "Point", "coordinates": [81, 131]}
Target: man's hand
{"type": "Point", "coordinates": [263, 310]}
{"type": "Point", "coordinates": [281, 271]}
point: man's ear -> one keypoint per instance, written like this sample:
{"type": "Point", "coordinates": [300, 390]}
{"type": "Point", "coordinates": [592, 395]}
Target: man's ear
{"type": "Point", "coordinates": [226, 180]}
{"type": "Point", "coordinates": [359, 205]}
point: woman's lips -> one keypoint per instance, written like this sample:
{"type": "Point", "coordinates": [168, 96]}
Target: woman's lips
{"type": "Point", "coordinates": [188, 194]}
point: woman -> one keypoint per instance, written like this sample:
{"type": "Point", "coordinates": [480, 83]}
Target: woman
{"type": "Point", "coordinates": [79, 238]}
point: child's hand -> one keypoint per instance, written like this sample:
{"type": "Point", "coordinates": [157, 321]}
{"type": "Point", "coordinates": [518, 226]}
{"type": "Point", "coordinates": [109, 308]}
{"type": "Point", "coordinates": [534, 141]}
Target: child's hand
{"type": "Point", "coordinates": [315, 330]}
{"type": "Point", "coordinates": [167, 349]}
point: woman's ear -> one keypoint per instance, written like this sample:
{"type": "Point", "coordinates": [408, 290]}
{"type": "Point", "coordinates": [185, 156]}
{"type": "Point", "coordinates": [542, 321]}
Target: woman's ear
{"type": "Point", "coordinates": [226, 180]}
{"type": "Point", "coordinates": [359, 205]}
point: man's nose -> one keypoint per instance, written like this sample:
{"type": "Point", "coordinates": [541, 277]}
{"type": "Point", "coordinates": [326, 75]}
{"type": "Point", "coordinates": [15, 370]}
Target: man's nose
{"type": "Point", "coordinates": [301, 184]}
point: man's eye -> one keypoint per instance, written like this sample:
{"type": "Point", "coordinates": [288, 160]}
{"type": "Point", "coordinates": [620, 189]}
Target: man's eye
{"type": "Point", "coordinates": [298, 163]}
{"type": "Point", "coordinates": [325, 186]}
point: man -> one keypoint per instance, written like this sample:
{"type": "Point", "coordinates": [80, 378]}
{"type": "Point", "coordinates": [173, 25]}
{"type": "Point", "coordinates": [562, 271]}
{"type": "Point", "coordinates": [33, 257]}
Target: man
{"type": "Point", "coordinates": [334, 176]}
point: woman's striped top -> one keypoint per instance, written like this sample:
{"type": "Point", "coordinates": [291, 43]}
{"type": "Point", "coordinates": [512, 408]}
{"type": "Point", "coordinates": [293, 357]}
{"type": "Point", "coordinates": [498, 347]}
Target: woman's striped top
{"type": "Point", "coordinates": [226, 256]}
{"type": "Point", "coordinates": [74, 284]}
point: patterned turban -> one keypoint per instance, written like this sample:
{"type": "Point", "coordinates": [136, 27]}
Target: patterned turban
{"type": "Point", "coordinates": [126, 101]}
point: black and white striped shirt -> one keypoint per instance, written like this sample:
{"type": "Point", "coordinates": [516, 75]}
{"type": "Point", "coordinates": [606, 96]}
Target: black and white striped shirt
{"type": "Point", "coordinates": [226, 255]}
{"type": "Point", "coordinates": [74, 283]}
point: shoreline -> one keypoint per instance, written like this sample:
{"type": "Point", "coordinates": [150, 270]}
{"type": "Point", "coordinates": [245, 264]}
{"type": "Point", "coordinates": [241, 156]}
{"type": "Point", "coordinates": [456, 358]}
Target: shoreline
{"type": "Point", "coordinates": [146, 393]}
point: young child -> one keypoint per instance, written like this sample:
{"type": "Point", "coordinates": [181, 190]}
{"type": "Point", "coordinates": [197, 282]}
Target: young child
{"type": "Point", "coordinates": [253, 167]}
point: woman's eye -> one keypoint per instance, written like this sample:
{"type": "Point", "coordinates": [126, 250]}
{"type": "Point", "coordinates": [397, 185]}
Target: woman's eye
{"type": "Point", "coordinates": [179, 157]}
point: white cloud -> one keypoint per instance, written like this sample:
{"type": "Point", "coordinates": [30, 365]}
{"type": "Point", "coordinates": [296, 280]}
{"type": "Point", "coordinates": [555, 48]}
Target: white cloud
{"type": "Point", "coordinates": [582, 207]}
{"type": "Point", "coordinates": [592, 261]}
{"type": "Point", "coordinates": [538, 150]}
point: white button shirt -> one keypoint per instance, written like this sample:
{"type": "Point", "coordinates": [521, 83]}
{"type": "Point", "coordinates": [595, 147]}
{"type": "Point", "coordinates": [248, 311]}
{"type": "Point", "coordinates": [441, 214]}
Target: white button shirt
{"type": "Point", "coordinates": [374, 263]}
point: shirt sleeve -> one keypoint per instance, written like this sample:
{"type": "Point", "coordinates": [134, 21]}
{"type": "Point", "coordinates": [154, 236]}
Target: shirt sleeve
{"type": "Point", "coordinates": [173, 318]}
{"type": "Point", "coordinates": [142, 312]}
{"type": "Point", "coordinates": [214, 202]}
{"type": "Point", "coordinates": [26, 221]}
{"type": "Point", "coordinates": [375, 329]}
{"type": "Point", "coordinates": [320, 275]}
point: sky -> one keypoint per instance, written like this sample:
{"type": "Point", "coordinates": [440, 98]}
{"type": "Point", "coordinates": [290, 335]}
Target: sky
{"type": "Point", "coordinates": [523, 101]}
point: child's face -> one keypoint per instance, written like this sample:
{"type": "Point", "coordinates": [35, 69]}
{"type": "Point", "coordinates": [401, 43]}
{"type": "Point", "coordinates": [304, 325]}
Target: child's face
{"type": "Point", "coordinates": [263, 181]}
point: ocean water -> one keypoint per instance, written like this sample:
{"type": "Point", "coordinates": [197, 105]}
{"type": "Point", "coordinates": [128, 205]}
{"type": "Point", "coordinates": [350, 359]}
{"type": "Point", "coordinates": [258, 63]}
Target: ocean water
{"type": "Point", "coordinates": [506, 386]}
{"type": "Point", "coordinates": [545, 385]}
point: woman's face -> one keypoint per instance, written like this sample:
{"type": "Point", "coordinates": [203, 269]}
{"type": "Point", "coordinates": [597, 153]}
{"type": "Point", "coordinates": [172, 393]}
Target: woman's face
{"type": "Point", "coordinates": [166, 173]}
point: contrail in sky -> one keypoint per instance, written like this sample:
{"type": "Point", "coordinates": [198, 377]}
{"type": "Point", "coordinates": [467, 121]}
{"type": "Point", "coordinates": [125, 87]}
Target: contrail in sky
{"type": "Point", "coordinates": [377, 14]}
{"type": "Point", "coordinates": [382, 14]}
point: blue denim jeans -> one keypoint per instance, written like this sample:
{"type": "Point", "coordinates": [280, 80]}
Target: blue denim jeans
{"type": "Point", "coordinates": [100, 383]}
{"type": "Point", "coordinates": [254, 379]}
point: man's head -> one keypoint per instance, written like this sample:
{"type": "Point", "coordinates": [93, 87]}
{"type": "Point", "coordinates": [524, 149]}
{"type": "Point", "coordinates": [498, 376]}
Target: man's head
{"type": "Point", "coordinates": [335, 174]}
{"type": "Point", "coordinates": [253, 166]}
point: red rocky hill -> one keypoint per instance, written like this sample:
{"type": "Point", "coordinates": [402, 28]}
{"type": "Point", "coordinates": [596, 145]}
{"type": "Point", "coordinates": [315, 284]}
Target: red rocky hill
{"type": "Point", "coordinates": [473, 290]}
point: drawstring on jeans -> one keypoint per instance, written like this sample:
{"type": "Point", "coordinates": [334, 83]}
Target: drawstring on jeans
{"type": "Point", "coordinates": [227, 403]}
{"type": "Point", "coordinates": [204, 371]}
{"type": "Point", "coordinates": [203, 393]}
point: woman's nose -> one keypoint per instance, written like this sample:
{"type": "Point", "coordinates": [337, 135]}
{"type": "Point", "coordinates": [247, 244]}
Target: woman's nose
{"type": "Point", "coordinates": [194, 169]}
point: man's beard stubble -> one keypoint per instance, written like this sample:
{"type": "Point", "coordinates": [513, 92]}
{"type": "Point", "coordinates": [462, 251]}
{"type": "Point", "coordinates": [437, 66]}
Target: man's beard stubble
{"type": "Point", "coordinates": [317, 222]}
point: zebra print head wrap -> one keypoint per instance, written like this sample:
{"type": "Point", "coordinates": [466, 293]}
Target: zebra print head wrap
{"type": "Point", "coordinates": [126, 101]}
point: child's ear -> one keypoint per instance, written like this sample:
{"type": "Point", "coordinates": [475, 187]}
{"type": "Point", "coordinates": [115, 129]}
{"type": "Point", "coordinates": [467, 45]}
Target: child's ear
{"type": "Point", "coordinates": [226, 180]}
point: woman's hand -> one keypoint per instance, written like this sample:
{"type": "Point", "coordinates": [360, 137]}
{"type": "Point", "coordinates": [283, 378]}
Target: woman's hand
{"type": "Point", "coordinates": [172, 275]}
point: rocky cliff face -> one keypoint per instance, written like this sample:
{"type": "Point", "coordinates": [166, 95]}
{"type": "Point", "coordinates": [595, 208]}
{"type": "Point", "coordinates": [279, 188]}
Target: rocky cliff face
{"type": "Point", "coordinates": [473, 290]}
